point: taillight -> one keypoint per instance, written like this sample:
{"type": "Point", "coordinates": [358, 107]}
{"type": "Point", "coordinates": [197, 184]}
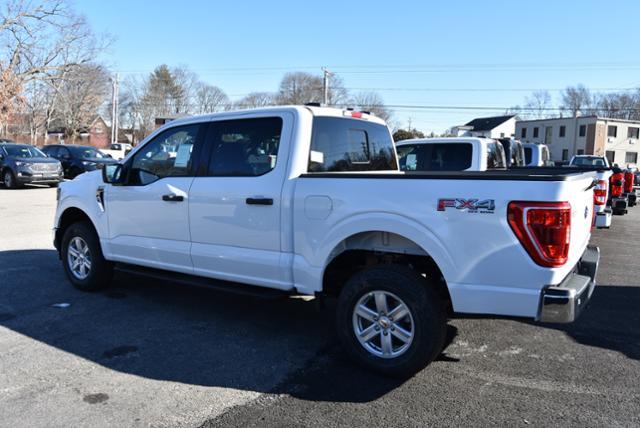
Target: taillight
{"type": "Point", "coordinates": [600, 193]}
{"type": "Point", "coordinates": [543, 229]}
{"type": "Point", "coordinates": [617, 181]}
{"type": "Point", "coordinates": [628, 182]}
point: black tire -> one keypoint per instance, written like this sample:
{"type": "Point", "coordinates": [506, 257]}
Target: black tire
{"type": "Point", "coordinates": [101, 271]}
{"type": "Point", "coordinates": [9, 179]}
{"type": "Point", "coordinates": [425, 306]}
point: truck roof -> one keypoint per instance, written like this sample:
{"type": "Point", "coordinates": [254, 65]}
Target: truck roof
{"type": "Point", "coordinates": [468, 140]}
{"type": "Point", "coordinates": [296, 109]}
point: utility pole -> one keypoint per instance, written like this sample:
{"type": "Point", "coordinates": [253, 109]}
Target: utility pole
{"type": "Point", "coordinates": [325, 87]}
{"type": "Point", "coordinates": [114, 110]}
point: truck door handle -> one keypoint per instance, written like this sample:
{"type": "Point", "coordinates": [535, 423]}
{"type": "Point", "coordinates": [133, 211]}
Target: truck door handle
{"type": "Point", "coordinates": [259, 201]}
{"type": "Point", "coordinates": [172, 197]}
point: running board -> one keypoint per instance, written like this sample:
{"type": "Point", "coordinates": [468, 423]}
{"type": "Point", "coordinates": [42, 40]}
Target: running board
{"type": "Point", "coordinates": [197, 281]}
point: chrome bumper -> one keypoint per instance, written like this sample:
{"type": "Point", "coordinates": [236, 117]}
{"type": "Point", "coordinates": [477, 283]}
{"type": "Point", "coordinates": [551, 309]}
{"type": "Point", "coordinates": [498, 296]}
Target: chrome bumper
{"type": "Point", "coordinates": [563, 303]}
{"type": "Point", "coordinates": [603, 219]}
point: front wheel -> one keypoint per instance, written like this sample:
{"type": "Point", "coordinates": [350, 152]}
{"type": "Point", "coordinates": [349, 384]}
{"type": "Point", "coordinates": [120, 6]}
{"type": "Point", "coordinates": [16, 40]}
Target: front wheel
{"type": "Point", "coordinates": [10, 181]}
{"type": "Point", "coordinates": [391, 320]}
{"type": "Point", "coordinates": [82, 258]}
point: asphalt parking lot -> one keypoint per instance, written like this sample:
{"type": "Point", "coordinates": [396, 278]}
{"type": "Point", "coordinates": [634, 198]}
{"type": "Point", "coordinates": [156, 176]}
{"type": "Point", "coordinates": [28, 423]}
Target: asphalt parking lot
{"type": "Point", "coordinates": [148, 353]}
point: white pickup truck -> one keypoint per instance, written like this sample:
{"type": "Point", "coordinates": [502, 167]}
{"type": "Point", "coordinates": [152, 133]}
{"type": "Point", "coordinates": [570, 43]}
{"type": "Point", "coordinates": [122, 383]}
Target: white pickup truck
{"type": "Point", "coordinates": [450, 154]}
{"type": "Point", "coordinates": [602, 191]}
{"type": "Point", "coordinates": [536, 155]}
{"type": "Point", "coordinates": [118, 151]}
{"type": "Point", "coordinates": [310, 201]}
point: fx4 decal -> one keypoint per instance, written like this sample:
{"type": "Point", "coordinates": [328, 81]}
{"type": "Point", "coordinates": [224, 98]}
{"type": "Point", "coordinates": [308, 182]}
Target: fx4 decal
{"type": "Point", "coordinates": [485, 206]}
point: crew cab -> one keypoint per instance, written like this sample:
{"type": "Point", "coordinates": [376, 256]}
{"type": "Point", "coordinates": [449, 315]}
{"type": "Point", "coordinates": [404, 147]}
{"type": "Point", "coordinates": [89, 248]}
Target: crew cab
{"type": "Point", "coordinates": [536, 155]}
{"type": "Point", "coordinates": [299, 200]}
{"type": "Point", "coordinates": [450, 154]}
{"type": "Point", "coordinates": [602, 192]}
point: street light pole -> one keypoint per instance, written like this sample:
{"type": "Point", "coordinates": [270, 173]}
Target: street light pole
{"type": "Point", "coordinates": [327, 73]}
{"type": "Point", "coordinates": [114, 111]}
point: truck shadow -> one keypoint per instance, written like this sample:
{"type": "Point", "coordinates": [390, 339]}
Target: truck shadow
{"type": "Point", "coordinates": [610, 321]}
{"type": "Point", "coordinates": [164, 331]}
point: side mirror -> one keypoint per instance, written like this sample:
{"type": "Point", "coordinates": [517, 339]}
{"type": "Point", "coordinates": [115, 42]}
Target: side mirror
{"type": "Point", "coordinates": [113, 174]}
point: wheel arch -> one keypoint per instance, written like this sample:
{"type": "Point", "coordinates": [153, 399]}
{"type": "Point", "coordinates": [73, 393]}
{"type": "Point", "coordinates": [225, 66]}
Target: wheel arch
{"type": "Point", "coordinates": [376, 247]}
{"type": "Point", "coordinates": [68, 217]}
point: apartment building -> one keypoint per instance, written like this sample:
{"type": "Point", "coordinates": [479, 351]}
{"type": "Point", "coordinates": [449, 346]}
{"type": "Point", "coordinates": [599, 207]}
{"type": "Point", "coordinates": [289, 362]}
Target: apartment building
{"type": "Point", "coordinates": [617, 139]}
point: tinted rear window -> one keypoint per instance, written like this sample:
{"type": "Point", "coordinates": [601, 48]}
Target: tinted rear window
{"type": "Point", "coordinates": [528, 155]}
{"type": "Point", "coordinates": [588, 161]}
{"type": "Point", "coordinates": [350, 145]}
{"type": "Point", "coordinates": [435, 157]}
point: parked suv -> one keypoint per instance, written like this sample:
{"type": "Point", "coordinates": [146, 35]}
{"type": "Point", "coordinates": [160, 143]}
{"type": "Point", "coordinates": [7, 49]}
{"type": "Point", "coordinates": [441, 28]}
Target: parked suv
{"type": "Point", "coordinates": [78, 159]}
{"type": "Point", "coordinates": [21, 164]}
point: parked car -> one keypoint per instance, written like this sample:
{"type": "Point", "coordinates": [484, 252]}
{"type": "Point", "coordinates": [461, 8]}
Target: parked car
{"type": "Point", "coordinates": [514, 151]}
{"type": "Point", "coordinates": [76, 160]}
{"type": "Point", "coordinates": [602, 192]}
{"type": "Point", "coordinates": [6, 141]}
{"type": "Point", "coordinates": [310, 201]}
{"type": "Point", "coordinates": [21, 164]}
{"type": "Point", "coordinates": [450, 154]}
{"type": "Point", "coordinates": [537, 155]}
{"type": "Point", "coordinates": [118, 151]}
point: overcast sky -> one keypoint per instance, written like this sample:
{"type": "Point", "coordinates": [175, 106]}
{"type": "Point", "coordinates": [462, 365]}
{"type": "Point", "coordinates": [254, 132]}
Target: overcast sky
{"type": "Point", "coordinates": [419, 53]}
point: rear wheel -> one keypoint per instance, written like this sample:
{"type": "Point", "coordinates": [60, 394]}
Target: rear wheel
{"type": "Point", "coordinates": [391, 320]}
{"type": "Point", "coordinates": [82, 258]}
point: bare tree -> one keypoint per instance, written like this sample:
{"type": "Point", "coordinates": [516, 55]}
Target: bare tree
{"type": "Point", "coordinates": [84, 91]}
{"type": "Point", "coordinates": [41, 40]}
{"type": "Point", "coordinates": [372, 102]}
{"type": "Point", "coordinates": [256, 99]}
{"type": "Point", "coordinates": [209, 99]}
{"type": "Point", "coordinates": [538, 105]}
{"type": "Point", "coordinates": [299, 87]}
{"type": "Point", "coordinates": [577, 99]}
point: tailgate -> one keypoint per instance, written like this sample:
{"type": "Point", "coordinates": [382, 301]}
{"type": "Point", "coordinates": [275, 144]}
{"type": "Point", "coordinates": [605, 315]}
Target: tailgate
{"type": "Point", "coordinates": [579, 193]}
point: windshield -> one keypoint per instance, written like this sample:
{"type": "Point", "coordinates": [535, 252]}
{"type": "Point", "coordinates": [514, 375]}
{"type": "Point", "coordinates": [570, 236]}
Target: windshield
{"type": "Point", "coordinates": [588, 161]}
{"type": "Point", "coordinates": [24, 152]}
{"type": "Point", "coordinates": [89, 153]}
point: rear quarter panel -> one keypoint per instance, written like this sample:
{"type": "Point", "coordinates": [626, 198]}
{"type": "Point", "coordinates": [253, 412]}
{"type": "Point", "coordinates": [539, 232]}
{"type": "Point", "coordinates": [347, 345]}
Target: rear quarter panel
{"type": "Point", "coordinates": [486, 268]}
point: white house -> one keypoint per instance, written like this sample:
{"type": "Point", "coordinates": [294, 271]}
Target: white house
{"type": "Point", "coordinates": [617, 139]}
{"type": "Point", "coordinates": [489, 127]}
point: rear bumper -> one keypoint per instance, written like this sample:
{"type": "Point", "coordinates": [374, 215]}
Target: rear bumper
{"type": "Point", "coordinates": [564, 302]}
{"type": "Point", "coordinates": [603, 219]}
{"type": "Point", "coordinates": [619, 205]}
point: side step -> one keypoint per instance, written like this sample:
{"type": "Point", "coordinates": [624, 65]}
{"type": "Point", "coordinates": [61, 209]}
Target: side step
{"type": "Point", "coordinates": [197, 281]}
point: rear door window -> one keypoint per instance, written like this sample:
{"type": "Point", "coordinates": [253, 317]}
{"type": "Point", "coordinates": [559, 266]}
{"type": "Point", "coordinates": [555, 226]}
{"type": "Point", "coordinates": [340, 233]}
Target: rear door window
{"type": "Point", "coordinates": [340, 145]}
